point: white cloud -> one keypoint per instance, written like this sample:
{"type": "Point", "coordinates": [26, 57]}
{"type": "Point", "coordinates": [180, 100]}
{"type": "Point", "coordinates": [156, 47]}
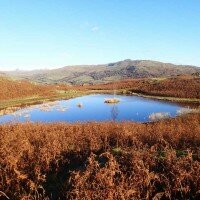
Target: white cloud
{"type": "Point", "coordinates": [88, 25]}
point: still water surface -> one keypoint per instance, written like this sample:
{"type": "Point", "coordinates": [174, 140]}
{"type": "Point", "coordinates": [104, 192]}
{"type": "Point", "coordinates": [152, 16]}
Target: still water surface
{"type": "Point", "coordinates": [93, 108]}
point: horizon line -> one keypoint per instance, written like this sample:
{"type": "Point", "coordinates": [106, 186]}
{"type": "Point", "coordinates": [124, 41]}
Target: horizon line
{"type": "Point", "coordinates": [82, 65]}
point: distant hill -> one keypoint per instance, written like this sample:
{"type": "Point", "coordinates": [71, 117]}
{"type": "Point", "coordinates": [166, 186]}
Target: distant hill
{"type": "Point", "coordinates": [105, 73]}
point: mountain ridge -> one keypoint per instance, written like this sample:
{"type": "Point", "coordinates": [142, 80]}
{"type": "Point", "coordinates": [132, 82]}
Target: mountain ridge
{"type": "Point", "coordinates": [102, 73]}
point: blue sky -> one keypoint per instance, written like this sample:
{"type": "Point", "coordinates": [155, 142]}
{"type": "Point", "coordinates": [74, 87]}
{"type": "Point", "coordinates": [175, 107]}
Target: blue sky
{"type": "Point", "coordinates": [54, 33]}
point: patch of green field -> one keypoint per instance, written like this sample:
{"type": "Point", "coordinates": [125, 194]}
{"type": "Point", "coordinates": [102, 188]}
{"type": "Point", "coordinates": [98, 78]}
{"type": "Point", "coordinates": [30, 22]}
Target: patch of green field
{"type": "Point", "coordinates": [176, 99]}
{"type": "Point", "coordinates": [39, 99]}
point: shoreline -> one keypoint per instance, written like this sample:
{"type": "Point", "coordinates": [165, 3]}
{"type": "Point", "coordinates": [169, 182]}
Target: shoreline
{"type": "Point", "coordinates": [23, 102]}
{"type": "Point", "coordinates": [28, 101]}
{"type": "Point", "coordinates": [172, 99]}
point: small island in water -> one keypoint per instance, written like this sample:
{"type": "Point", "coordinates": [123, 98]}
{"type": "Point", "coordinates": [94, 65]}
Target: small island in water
{"type": "Point", "coordinates": [112, 100]}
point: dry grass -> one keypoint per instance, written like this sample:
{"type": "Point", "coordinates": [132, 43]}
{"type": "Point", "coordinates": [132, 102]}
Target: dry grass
{"type": "Point", "coordinates": [11, 89]}
{"type": "Point", "coordinates": [179, 87]}
{"type": "Point", "coordinates": [106, 160]}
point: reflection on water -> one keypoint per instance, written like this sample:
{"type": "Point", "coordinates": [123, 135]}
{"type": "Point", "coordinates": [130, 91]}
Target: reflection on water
{"type": "Point", "coordinates": [114, 112]}
{"type": "Point", "coordinates": [93, 108]}
{"type": "Point", "coordinates": [159, 116]}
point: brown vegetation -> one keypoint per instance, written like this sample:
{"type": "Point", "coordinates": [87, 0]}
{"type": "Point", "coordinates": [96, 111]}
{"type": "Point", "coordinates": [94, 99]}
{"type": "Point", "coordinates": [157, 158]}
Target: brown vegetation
{"type": "Point", "coordinates": [104, 160]}
{"type": "Point", "coordinates": [10, 89]}
{"type": "Point", "coordinates": [181, 87]}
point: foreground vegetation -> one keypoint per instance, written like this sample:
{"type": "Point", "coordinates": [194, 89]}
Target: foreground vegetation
{"type": "Point", "coordinates": [106, 160]}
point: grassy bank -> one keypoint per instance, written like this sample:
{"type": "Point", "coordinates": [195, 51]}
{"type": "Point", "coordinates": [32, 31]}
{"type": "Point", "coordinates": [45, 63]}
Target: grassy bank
{"type": "Point", "coordinates": [175, 99]}
{"type": "Point", "coordinates": [106, 160]}
{"type": "Point", "coordinates": [25, 101]}
{"type": "Point", "coordinates": [164, 98]}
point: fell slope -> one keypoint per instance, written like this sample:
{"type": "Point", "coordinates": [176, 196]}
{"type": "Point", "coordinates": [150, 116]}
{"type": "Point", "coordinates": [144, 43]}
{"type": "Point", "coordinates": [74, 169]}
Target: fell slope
{"type": "Point", "coordinates": [179, 86]}
{"type": "Point", "coordinates": [12, 89]}
{"type": "Point", "coordinates": [105, 73]}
